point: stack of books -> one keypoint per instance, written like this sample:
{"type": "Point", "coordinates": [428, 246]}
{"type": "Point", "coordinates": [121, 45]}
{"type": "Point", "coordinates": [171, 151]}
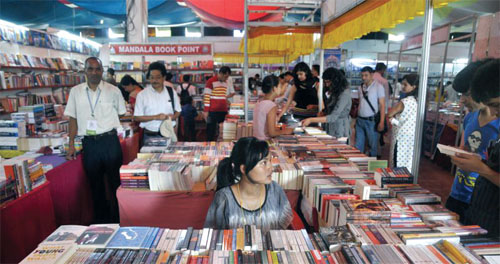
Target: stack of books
{"type": "Point", "coordinates": [363, 212]}
{"type": "Point", "coordinates": [134, 175]}
{"type": "Point", "coordinates": [10, 132]}
{"type": "Point", "coordinates": [393, 176]}
{"type": "Point", "coordinates": [19, 176]}
{"type": "Point", "coordinates": [170, 177]}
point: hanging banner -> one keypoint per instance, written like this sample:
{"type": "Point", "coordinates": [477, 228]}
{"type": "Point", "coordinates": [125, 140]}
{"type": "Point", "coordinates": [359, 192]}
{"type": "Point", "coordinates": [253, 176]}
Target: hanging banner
{"type": "Point", "coordinates": [438, 35]}
{"type": "Point", "coordinates": [333, 58]}
{"type": "Point", "coordinates": [160, 49]}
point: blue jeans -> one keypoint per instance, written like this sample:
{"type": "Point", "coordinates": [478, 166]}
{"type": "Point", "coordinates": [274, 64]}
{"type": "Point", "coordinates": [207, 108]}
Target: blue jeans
{"type": "Point", "coordinates": [366, 130]}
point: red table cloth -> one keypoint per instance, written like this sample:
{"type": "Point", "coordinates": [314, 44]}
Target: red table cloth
{"type": "Point", "coordinates": [25, 222]}
{"type": "Point", "coordinates": [71, 194]}
{"type": "Point", "coordinates": [175, 210]}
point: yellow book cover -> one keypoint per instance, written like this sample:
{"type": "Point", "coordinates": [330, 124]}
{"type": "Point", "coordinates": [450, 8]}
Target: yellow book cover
{"type": "Point", "coordinates": [240, 239]}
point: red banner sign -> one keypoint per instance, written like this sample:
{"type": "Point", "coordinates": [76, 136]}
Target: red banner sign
{"type": "Point", "coordinates": [438, 35]}
{"type": "Point", "coordinates": [160, 49]}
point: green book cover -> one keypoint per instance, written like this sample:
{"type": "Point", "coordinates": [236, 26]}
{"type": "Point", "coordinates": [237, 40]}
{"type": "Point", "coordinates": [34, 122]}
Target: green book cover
{"type": "Point", "coordinates": [376, 164]}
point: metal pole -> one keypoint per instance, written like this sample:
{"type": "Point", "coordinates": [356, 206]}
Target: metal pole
{"type": "Point", "coordinates": [321, 63]}
{"type": "Point", "coordinates": [422, 91]}
{"type": "Point", "coordinates": [440, 89]}
{"type": "Point", "coordinates": [245, 63]}
{"type": "Point", "coordinates": [397, 69]}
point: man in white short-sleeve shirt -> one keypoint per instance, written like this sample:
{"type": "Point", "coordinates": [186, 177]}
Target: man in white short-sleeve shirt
{"type": "Point", "coordinates": [93, 109]}
{"type": "Point", "coordinates": [156, 102]}
{"type": "Point", "coordinates": [366, 128]}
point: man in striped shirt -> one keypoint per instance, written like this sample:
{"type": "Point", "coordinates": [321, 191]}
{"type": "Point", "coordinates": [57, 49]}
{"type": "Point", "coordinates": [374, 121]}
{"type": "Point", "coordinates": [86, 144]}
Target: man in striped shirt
{"type": "Point", "coordinates": [216, 94]}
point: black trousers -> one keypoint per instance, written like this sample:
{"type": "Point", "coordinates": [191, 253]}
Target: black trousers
{"type": "Point", "coordinates": [213, 121]}
{"type": "Point", "coordinates": [189, 130]}
{"type": "Point", "coordinates": [102, 159]}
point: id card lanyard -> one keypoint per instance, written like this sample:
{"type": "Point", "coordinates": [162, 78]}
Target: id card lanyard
{"type": "Point", "coordinates": [93, 106]}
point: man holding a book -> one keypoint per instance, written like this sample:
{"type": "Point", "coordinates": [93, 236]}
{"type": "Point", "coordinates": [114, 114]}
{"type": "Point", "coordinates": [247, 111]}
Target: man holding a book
{"type": "Point", "coordinates": [484, 209]}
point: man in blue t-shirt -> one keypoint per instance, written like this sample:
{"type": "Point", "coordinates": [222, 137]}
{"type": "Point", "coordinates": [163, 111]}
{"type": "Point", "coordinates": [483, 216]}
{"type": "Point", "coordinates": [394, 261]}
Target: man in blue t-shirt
{"type": "Point", "coordinates": [480, 127]}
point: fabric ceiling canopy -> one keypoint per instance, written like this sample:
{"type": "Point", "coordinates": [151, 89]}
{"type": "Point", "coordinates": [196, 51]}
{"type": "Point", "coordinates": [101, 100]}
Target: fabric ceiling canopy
{"type": "Point", "coordinates": [281, 40]}
{"type": "Point", "coordinates": [254, 58]}
{"type": "Point", "coordinates": [372, 16]}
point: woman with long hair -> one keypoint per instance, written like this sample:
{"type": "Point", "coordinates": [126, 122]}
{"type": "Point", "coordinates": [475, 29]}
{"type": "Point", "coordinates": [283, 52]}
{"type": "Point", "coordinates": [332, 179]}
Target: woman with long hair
{"type": "Point", "coordinates": [338, 104]}
{"type": "Point", "coordinates": [403, 117]}
{"type": "Point", "coordinates": [246, 193]}
{"type": "Point", "coordinates": [304, 90]}
{"type": "Point", "coordinates": [132, 87]}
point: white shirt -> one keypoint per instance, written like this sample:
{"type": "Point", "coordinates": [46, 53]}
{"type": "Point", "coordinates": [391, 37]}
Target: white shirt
{"type": "Point", "coordinates": [374, 92]}
{"type": "Point", "coordinates": [110, 104]}
{"type": "Point", "coordinates": [149, 102]}
{"type": "Point", "coordinates": [379, 78]}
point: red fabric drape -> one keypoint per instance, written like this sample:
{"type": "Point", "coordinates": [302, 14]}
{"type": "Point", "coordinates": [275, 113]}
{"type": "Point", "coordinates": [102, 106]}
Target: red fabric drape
{"type": "Point", "coordinates": [25, 222]}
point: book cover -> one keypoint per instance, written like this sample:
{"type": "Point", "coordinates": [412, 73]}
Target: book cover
{"type": "Point", "coordinates": [97, 235]}
{"type": "Point", "coordinates": [65, 234]}
{"type": "Point", "coordinates": [130, 237]}
{"type": "Point", "coordinates": [49, 254]}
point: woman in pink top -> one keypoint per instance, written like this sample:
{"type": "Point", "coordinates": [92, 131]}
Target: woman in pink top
{"type": "Point", "coordinates": [265, 111]}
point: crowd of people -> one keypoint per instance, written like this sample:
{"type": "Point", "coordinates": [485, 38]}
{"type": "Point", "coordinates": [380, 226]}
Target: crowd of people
{"type": "Point", "coordinates": [246, 193]}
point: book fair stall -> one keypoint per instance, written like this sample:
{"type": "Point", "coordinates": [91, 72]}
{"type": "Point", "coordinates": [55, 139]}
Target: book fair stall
{"type": "Point", "coordinates": [218, 131]}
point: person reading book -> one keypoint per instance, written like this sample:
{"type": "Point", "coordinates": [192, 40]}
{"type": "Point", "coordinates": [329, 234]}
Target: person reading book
{"type": "Point", "coordinates": [132, 87]}
{"type": "Point", "coordinates": [338, 105]}
{"type": "Point", "coordinates": [480, 126]}
{"type": "Point", "coordinates": [246, 193]}
{"type": "Point", "coordinates": [484, 208]}
{"type": "Point", "coordinates": [404, 117]}
{"type": "Point", "coordinates": [265, 111]}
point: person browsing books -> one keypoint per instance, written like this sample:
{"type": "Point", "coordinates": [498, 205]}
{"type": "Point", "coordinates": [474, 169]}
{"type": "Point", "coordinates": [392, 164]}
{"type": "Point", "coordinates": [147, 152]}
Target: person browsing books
{"type": "Point", "coordinates": [246, 193]}
{"type": "Point", "coordinates": [265, 113]}
{"type": "Point", "coordinates": [93, 109]}
{"type": "Point", "coordinates": [480, 126]}
{"type": "Point", "coordinates": [338, 105]}
{"type": "Point", "coordinates": [132, 87]}
{"type": "Point", "coordinates": [304, 90]}
{"type": "Point", "coordinates": [403, 116]}
{"type": "Point", "coordinates": [215, 99]}
{"type": "Point", "coordinates": [484, 208]}
{"type": "Point", "coordinates": [156, 102]}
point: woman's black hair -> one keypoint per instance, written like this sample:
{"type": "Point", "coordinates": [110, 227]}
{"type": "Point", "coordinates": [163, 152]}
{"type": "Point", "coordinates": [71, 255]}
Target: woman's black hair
{"type": "Point", "coordinates": [186, 100]}
{"type": "Point", "coordinates": [248, 151]}
{"type": "Point", "coordinates": [129, 80]}
{"type": "Point", "coordinates": [269, 83]}
{"type": "Point", "coordinates": [303, 67]}
{"type": "Point", "coordinates": [186, 78]}
{"type": "Point", "coordinates": [157, 66]}
{"type": "Point", "coordinates": [413, 80]}
{"type": "Point", "coordinates": [339, 84]}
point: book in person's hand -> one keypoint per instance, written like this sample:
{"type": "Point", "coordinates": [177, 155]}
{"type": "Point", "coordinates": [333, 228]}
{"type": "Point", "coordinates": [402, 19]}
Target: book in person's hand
{"type": "Point", "coordinates": [451, 151]}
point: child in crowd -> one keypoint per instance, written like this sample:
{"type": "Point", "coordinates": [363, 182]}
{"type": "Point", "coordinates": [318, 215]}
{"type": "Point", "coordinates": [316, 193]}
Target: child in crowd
{"type": "Point", "coordinates": [189, 115]}
{"type": "Point", "coordinates": [265, 111]}
{"type": "Point", "coordinates": [246, 193]}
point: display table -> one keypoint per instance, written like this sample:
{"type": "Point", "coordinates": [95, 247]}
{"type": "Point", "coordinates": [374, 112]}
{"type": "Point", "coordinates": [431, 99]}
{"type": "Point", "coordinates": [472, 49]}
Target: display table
{"type": "Point", "coordinates": [70, 189]}
{"type": "Point", "coordinates": [25, 222]}
{"type": "Point", "coordinates": [70, 192]}
{"type": "Point", "coordinates": [170, 209]}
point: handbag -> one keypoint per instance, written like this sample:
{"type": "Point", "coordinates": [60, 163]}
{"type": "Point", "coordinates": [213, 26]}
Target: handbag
{"type": "Point", "coordinates": [354, 108]}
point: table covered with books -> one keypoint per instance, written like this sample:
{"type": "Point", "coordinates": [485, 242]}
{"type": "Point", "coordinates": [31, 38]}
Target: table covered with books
{"type": "Point", "coordinates": [366, 214]}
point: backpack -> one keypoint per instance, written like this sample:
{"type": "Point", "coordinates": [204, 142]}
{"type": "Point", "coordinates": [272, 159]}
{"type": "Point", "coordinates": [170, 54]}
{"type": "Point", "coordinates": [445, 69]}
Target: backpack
{"type": "Point", "coordinates": [184, 92]}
